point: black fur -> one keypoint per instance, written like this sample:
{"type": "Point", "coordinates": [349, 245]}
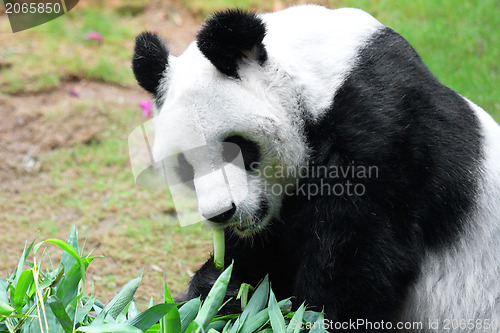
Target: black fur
{"type": "Point", "coordinates": [250, 151]}
{"type": "Point", "coordinates": [149, 61]}
{"type": "Point", "coordinates": [225, 36]}
{"type": "Point", "coordinates": [356, 256]}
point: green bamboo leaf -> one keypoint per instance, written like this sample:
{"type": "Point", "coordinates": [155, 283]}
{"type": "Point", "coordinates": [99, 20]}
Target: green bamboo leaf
{"type": "Point", "coordinates": [284, 303]}
{"type": "Point", "coordinates": [84, 311]}
{"type": "Point", "coordinates": [192, 327]}
{"type": "Point", "coordinates": [233, 316]}
{"type": "Point", "coordinates": [257, 302]}
{"type": "Point", "coordinates": [22, 286]}
{"type": "Point", "coordinates": [214, 299]}
{"type": "Point", "coordinates": [66, 247]}
{"type": "Point", "coordinates": [188, 312]}
{"type": "Point", "coordinates": [151, 316]}
{"type": "Point", "coordinates": [16, 316]}
{"type": "Point", "coordinates": [216, 325]}
{"type": "Point", "coordinates": [20, 264]}
{"type": "Point", "coordinates": [171, 322]}
{"type": "Point", "coordinates": [122, 299]}
{"type": "Point", "coordinates": [296, 321]}
{"type": "Point", "coordinates": [67, 289]}
{"type": "Point", "coordinates": [166, 293]}
{"type": "Point", "coordinates": [122, 316]}
{"type": "Point", "coordinates": [23, 319]}
{"type": "Point", "coordinates": [245, 289]}
{"type": "Point", "coordinates": [154, 329]}
{"type": "Point", "coordinates": [5, 310]}
{"type": "Point", "coordinates": [255, 322]}
{"type": "Point", "coordinates": [310, 316]}
{"type": "Point", "coordinates": [31, 291]}
{"type": "Point", "coordinates": [238, 324]}
{"type": "Point", "coordinates": [4, 285]}
{"type": "Point", "coordinates": [227, 327]}
{"type": "Point", "coordinates": [259, 299]}
{"type": "Point", "coordinates": [212, 331]}
{"type": "Point", "coordinates": [318, 326]}
{"type": "Point", "coordinates": [53, 323]}
{"type": "Point", "coordinates": [98, 304]}
{"type": "Point", "coordinates": [275, 316]}
{"type": "Point", "coordinates": [110, 328]}
{"type": "Point", "coordinates": [63, 245]}
{"type": "Point", "coordinates": [67, 260]}
{"type": "Point", "coordinates": [51, 277]}
{"type": "Point", "coordinates": [132, 309]}
{"type": "Point", "coordinates": [58, 309]}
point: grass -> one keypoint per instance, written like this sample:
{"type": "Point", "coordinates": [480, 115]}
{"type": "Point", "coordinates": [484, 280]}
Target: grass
{"type": "Point", "coordinates": [43, 57]}
{"type": "Point", "coordinates": [457, 40]}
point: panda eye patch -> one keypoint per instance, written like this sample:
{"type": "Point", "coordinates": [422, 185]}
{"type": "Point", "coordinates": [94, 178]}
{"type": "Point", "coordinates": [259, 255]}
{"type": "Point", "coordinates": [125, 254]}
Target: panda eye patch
{"type": "Point", "coordinates": [249, 150]}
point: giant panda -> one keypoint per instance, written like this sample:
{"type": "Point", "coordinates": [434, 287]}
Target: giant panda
{"type": "Point", "coordinates": [329, 90]}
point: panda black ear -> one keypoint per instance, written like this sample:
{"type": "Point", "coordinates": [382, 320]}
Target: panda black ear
{"type": "Point", "coordinates": [226, 36]}
{"type": "Point", "coordinates": [150, 61]}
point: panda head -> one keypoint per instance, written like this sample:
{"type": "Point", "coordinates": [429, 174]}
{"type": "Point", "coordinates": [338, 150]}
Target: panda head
{"type": "Point", "coordinates": [224, 88]}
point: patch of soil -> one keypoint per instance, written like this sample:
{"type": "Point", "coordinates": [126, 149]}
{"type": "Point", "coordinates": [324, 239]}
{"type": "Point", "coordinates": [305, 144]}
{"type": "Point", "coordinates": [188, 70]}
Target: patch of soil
{"type": "Point", "coordinates": [170, 20]}
{"type": "Point", "coordinates": [173, 23]}
{"type": "Point", "coordinates": [32, 124]}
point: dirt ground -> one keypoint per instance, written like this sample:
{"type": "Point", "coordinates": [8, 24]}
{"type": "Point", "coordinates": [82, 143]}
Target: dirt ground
{"type": "Point", "coordinates": [34, 127]}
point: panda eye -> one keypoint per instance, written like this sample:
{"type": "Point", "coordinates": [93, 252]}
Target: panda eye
{"type": "Point", "coordinates": [185, 171]}
{"type": "Point", "coordinates": [249, 150]}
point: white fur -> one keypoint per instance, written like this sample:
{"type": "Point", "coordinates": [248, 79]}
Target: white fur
{"type": "Point", "coordinates": [318, 47]}
{"type": "Point", "coordinates": [463, 282]}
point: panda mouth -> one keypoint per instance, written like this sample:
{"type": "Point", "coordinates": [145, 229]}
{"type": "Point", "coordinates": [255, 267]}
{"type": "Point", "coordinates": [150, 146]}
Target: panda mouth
{"type": "Point", "coordinates": [248, 227]}
{"type": "Point", "coordinates": [255, 223]}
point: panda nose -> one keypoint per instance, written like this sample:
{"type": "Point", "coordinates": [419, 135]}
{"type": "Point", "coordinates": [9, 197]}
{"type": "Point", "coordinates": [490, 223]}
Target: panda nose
{"type": "Point", "coordinates": [223, 216]}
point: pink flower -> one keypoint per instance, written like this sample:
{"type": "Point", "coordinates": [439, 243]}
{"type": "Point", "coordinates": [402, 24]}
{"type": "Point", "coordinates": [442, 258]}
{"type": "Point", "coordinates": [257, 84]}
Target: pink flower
{"type": "Point", "coordinates": [146, 108]}
{"type": "Point", "coordinates": [73, 93]}
{"type": "Point", "coordinates": [94, 35]}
